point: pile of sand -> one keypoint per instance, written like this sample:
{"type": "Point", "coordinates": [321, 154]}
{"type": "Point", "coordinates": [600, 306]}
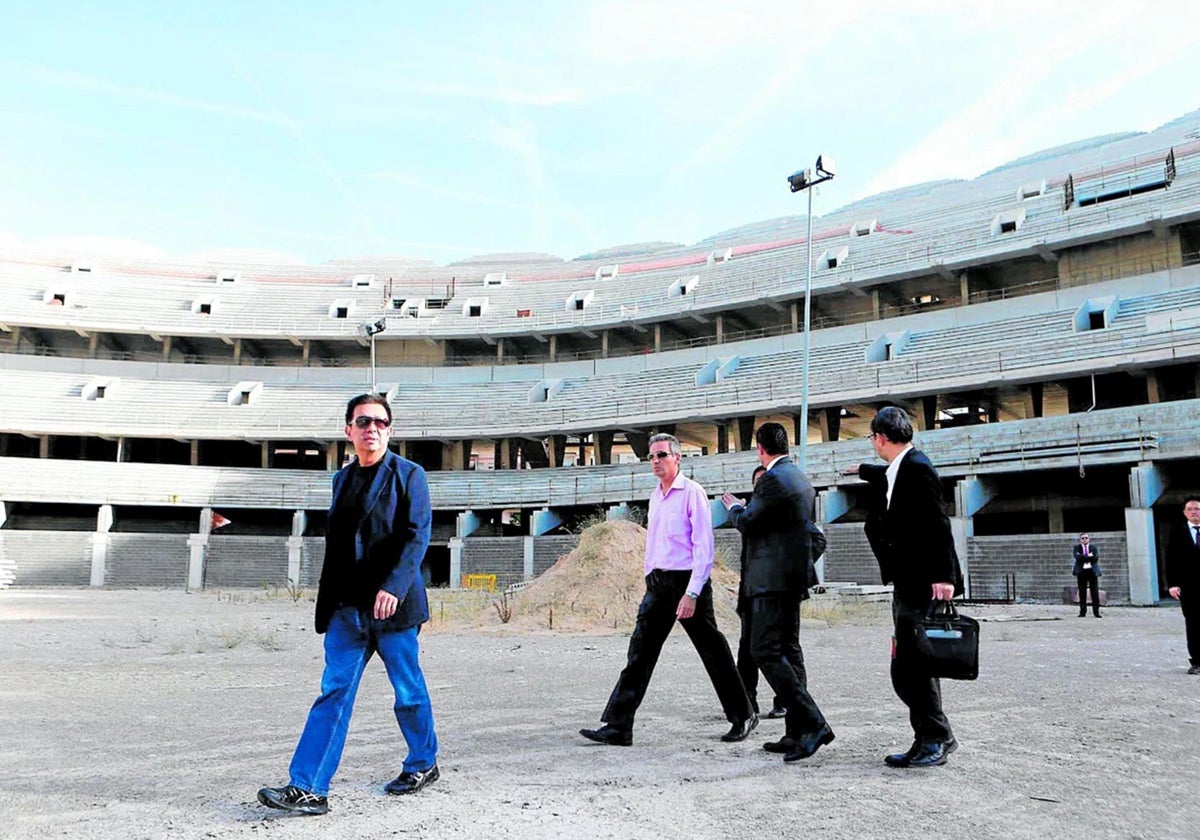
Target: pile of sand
{"type": "Point", "coordinates": [599, 586]}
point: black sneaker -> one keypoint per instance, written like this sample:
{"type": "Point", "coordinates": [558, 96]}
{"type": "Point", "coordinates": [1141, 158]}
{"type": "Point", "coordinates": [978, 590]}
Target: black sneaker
{"type": "Point", "coordinates": [292, 798]}
{"type": "Point", "coordinates": [408, 782]}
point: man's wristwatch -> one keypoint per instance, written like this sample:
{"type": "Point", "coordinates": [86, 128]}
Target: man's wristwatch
{"type": "Point", "coordinates": [695, 596]}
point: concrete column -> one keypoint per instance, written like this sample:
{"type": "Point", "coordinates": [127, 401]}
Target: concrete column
{"type": "Point", "coordinates": [794, 308]}
{"type": "Point", "coordinates": [722, 438]}
{"type": "Point", "coordinates": [166, 348]}
{"type": "Point", "coordinates": [1147, 483]}
{"type": "Point", "coordinates": [556, 449]}
{"type": "Point", "coordinates": [962, 529]}
{"type": "Point", "coordinates": [295, 549]}
{"type": "Point", "coordinates": [527, 570]}
{"type": "Point", "coordinates": [543, 521]}
{"type": "Point", "coordinates": [305, 351]}
{"type": "Point", "coordinates": [604, 444]}
{"type": "Point", "coordinates": [3, 514]}
{"type": "Point", "coordinates": [1154, 389]}
{"type": "Point", "coordinates": [466, 524]}
{"type": "Point", "coordinates": [237, 351]}
{"type": "Point", "coordinates": [604, 344]}
{"type": "Point", "coordinates": [266, 454]}
{"type": "Point", "coordinates": [720, 322]}
{"type": "Point", "coordinates": [43, 446]}
{"type": "Point", "coordinates": [830, 422]}
{"type": "Point", "coordinates": [927, 416]}
{"type": "Point", "coordinates": [964, 289]}
{"type": "Point", "coordinates": [452, 456]}
{"type": "Point", "coordinates": [657, 337]}
{"type": "Point", "coordinates": [1142, 549]}
{"type": "Point", "coordinates": [93, 344]}
{"type": "Point", "coordinates": [299, 522]}
{"type": "Point", "coordinates": [971, 495]}
{"type": "Point", "coordinates": [1054, 513]}
{"type": "Point", "coordinates": [553, 348]}
{"type": "Point", "coordinates": [745, 431]}
{"type": "Point", "coordinates": [499, 350]}
{"type": "Point", "coordinates": [331, 457]}
{"type": "Point", "coordinates": [197, 543]}
{"type": "Point", "coordinates": [104, 521]}
{"type": "Point", "coordinates": [194, 454]}
{"type": "Point", "coordinates": [456, 549]}
{"type": "Point", "coordinates": [875, 304]}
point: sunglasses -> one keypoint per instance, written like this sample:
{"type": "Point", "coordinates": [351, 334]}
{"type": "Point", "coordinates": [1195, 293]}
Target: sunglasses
{"type": "Point", "coordinates": [659, 455]}
{"type": "Point", "coordinates": [365, 422]}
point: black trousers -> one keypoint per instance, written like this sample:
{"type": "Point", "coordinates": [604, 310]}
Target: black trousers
{"type": "Point", "coordinates": [656, 617]}
{"type": "Point", "coordinates": [773, 620]}
{"type": "Point", "coordinates": [1087, 580]}
{"type": "Point", "coordinates": [748, 668]}
{"type": "Point", "coordinates": [922, 694]}
{"type": "Point", "coordinates": [1190, 605]}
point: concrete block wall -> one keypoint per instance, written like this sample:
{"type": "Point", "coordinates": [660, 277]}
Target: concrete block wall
{"type": "Point", "coordinates": [146, 560]}
{"type": "Point", "coordinates": [1042, 565]}
{"type": "Point", "coordinates": [312, 560]}
{"type": "Point", "coordinates": [503, 557]}
{"type": "Point", "coordinates": [245, 562]}
{"type": "Point", "coordinates": [848, 556]}
{"type": "Point", "coordinates": [727, 546]}
{"type": "Point", "coordinates": [547, 550]}
{"type": "Point", "coordinates": [48, 558]}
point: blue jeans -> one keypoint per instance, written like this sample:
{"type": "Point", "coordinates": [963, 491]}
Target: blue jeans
{"type": "Point", "coordinates": [353, 636]}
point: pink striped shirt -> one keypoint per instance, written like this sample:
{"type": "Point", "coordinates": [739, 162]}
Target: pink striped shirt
{"type": "Point", "coordinates": [679, 535]}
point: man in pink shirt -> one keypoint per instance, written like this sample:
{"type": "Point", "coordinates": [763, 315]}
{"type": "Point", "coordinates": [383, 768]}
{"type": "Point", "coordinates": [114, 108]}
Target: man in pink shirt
{"type": "Point", "coordinates": [679, 559]}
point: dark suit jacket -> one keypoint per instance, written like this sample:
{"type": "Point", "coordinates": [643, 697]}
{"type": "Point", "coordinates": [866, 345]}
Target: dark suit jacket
{"type": "Point", "coordinates": [391, 541]}
{"type": "Point", "coordinates": [1094, 559]}
{"type": "Point", "coordinates": [776, 558]}
{"type": "Point", "coordinates": [911, 539]}
{"type": "Point", "coordinates": [1183, 561]}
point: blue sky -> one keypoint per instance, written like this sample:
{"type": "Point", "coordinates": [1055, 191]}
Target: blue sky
{"type": "Point", "coordinates": [323, 131]}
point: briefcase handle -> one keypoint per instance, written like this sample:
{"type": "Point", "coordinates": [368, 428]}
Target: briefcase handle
{"type": "Point", "coordinates": [941, 610]}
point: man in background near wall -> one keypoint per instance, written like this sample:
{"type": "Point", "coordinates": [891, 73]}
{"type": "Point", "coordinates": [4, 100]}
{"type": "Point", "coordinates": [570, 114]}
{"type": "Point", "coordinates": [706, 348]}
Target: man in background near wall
{"type": "Point", "coordinates": [1087, 574]}
{"type": "Point", "coordinates": [910, 535]}
{"type": "Point", "coordinates": [371, 600]}
{"type": "Point", "coordinates": [679, 560]}
{"type": "Point", "coordinates": [1183, 576]}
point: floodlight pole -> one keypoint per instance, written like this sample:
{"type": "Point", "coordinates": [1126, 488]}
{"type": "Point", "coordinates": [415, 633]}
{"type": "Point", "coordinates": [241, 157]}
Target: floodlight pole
{"type": "Point", "coordinates": [373, 329]}
{"type": "Point", "coordinates": [807, 183]}
{"type": "Point", "coordinates": [373, 388]}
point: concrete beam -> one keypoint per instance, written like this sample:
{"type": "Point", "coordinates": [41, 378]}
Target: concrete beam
{"type": "Point", "coordinates": [832, 505]}
{"type": "Point", "coordinates": [972, 494]}
{"type": "Point", "coordinates": [466, 524]}
{"type": "Point", "coordinates": [1147, 483]}
{"type": "Point", "coordinates": [543, 521]}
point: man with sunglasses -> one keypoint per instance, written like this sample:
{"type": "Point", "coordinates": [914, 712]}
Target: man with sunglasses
{"type": "Point", "coordinates": [679, 559]}
{"type": "Point", "coordinates": [371, 599]}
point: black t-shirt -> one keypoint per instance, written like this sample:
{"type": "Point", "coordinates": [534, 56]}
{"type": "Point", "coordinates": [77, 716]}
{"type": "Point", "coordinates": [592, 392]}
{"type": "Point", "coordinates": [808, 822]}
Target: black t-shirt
{"type": "Point", "coordinates": [348, 512]}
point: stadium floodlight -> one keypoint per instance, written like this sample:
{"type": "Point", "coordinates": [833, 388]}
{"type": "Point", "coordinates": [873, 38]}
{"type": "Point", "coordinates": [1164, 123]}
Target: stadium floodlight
{"type": "Point", "coordinates": [372, 329]}
{"type": "Point", "coordinates": [806, 179]}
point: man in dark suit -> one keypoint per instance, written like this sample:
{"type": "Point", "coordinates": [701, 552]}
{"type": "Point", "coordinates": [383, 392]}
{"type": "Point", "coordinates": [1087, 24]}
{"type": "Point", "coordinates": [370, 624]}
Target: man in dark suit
{"type": "Point", "coordinates": [1183, 576]}
{"type": "Point", "coordinates": [747, 667]}
{"type": "Point", "coordinates": [1087, 574]}
{"type": "Point", "coordinates": [910, 535]}
{"type": "Point", "coordinates": [371, 600]}
{"type": "Point", "coordinates": [777, 573]}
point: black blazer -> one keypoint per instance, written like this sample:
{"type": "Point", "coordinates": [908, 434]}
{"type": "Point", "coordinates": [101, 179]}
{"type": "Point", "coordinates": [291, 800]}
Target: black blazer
{"type": "Point", "coordinates": [1080, 559]}
{"type": "Point", "coordinates": [392, 538]}
{"type": "Point", "coordinates": [911, 539]}
{"type": "Point", "coordinates": [776, 557]}
{"type": "Point", "coordinates": [1183, 561]}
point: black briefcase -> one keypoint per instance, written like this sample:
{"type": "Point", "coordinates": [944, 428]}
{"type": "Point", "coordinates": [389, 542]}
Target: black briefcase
{"type": "Point", "coordinates": [945, 643]}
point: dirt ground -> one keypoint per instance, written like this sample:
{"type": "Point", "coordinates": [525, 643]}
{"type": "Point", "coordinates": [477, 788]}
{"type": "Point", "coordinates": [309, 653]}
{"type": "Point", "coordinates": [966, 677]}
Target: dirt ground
{"type": "Point", "coordinates": [151, 714]}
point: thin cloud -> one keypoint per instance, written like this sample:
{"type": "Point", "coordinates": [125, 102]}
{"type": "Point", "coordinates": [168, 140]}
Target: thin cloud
{"type": "Point", "coordinates": [94, 84]}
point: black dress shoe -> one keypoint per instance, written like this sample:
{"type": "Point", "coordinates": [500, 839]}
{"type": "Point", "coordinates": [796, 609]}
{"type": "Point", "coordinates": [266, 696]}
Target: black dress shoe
{"type": "Point", "coordinates": [411, 782]}
{"type": "Point", "coordinates": [1195, 669]}
{"type": "Point", "coordinates": [740, 730]}
{"type": "Point", "coordinates": [927, 754]}
{"type": "Point", "coordinates": [777, 713]}
{"type": "Point", "coordinates": [804, 746]}
{"type": "Point", "coordinates": [783, 745]}
{"type": "Point", "coordinates": [608, 734]}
